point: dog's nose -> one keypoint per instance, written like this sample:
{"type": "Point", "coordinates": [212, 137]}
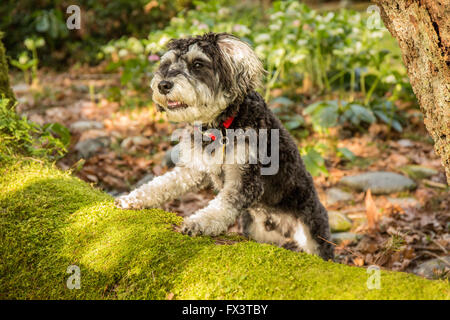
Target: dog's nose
{"type": "Point", "coordinates": [165, 86]}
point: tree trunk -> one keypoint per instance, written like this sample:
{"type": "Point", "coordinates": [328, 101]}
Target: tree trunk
{"type": "Point", "coordinates": [5, 88]}
{"type": "Point", "coordinates": [422, 28]}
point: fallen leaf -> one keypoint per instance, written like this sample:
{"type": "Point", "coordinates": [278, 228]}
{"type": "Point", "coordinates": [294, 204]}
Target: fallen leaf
{"type": "Point", "coordinates": [358, 262]}
{"type": "Point", "coordinates": [170, 296]}
{"type": "Point", "coordinates": [371, 211]}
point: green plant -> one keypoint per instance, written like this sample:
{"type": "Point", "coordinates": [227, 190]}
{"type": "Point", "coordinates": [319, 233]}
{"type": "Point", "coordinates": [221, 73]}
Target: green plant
{"type": "Point", "coordinates": [345, 154]}
{"type": "Point", "coordinates": [320, 52]}
{"type": "Point", "coordinates": [102, 20]}
{"type": "Point", "coordinates": [314, 161]}
{"type": "Point", "coordinates": [327, 114]}
{"type": "Point", "coordinates": [388, 113]}
{"type": "Point", "coordinates": [18, 134]}
{"type": "Point", "coordinates": [24, 63]}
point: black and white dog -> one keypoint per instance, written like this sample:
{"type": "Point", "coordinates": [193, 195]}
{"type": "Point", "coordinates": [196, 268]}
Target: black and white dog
{"type": "Point", "coordinates": [211, 80]}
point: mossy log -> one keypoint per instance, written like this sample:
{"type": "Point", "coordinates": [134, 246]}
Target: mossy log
{"type": "Point", "coordinates": [50, 220]}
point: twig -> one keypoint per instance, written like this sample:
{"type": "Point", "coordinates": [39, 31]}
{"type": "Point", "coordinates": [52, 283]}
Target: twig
{"type": "Point", "coordinates": [434, 241]}
{"type": "Point", "coordinates": [425, 248]}
{"type": "Point", "coordinates": [334, 244]}
{"type": "Point", "coordinates": [437, 257]}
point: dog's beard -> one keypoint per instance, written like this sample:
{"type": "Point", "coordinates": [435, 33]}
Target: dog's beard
{"type": "Point", "coordinates": [189, 102]}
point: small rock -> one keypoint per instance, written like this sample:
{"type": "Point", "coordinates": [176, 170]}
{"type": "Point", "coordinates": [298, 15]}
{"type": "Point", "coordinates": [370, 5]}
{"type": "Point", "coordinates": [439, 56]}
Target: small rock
{"type": "Point", "coordinates": [433, 268]}
{"type": "Point", "coordinates": [88, 148]}
{"type": "Point", "coordinates": [81, 88]}
{"type": "Point", "coordinates": [84, 125]}
{"type": "Point", "coordinates": [338, 221]}
{"type": "Point", "coordinates": [344, 236]}
{"type": "Point", "coordinates": [145, 179]}
{"type": "Point", "coordinates": [92, 178]}
{"type": "Point", "coordinates": [115, 193]}
{"type": "Point", "coordinates": [409, 202]}
{"type": "Point", "coordinates": [419, 172]}
{"type": "Point", "coordinates": [141, 141]}
{"type": "Point", "coordinates": [171, 157]}
{"type": "Point", "coordinates": [35, 117]}
{"type": "Point", "coordinates": [21, 88]}
{"type": "Point", "coordinates": [335, 195]}
{"type": "Point", "coordinates": [405, 143]}
{"type": "Point", "coordinates": [23, 100]}
{"type": "Point", "coordinates": [93, 134]}
{"type": "Point", "coordinates": [379, 182]}
{"type": "Point", "coordinates": [129, 142]}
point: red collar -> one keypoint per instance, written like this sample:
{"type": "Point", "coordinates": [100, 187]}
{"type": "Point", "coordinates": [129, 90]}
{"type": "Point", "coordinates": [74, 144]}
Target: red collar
{"type": "Point", "coordinates": [227, 123]}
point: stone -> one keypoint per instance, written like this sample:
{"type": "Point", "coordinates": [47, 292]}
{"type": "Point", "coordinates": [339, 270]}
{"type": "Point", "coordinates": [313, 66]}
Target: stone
{"type": "Point", "coordinates": [85, 125]}
{"type": "Point", "coordinates": [344, 236]}
{"type": "Point", "coordinates": [137, 141]}
{"type": "Point", "coordinates": [336, 195]}
{"type": "Point", "coordinates": [419, 172]}
{"type": "Point", "coordinates": [21, 88]}
{"type": "Point", "coordinates": [171, 157]}
{"type": "Point", "coordinates": [339, 221]}
{"type": "Point", "coordinates": [405, 203]}
{"type": "Point", "coordinates": [145, 179]}
{"type": "Point", "coordinates": [433, 268]}
{"type": "Point", "coordinates": [379, 182]}
{"type": "Point", "coordinates": [87, 148]}
{"type": "Point", "coordinates": [81, 88]}
{"type": "Point", "coordinates": [405, 143]}
{"type": "Point", "coordinates": [116, 193]}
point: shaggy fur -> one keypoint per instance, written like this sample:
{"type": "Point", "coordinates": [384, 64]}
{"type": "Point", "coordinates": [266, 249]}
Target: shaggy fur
{"type": "Point", "coordinates": [207, 79]}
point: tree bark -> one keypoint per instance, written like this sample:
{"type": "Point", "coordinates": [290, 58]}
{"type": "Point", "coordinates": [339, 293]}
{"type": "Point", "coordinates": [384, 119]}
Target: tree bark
{"type": "Point", "coordinates": [422, 28]}
{"type": "Point", "coordinates": [5, 88]}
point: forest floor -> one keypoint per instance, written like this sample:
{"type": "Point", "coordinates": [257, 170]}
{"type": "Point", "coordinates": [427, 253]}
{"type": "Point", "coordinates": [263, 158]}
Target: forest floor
{"type": "Point", "coordinates": [115, 147]}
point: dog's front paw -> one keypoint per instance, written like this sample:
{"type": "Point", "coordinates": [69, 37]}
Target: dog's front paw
{"type": "Point", "coordinates": [191, 227]}
{"type": "Point", "coordinates": [128, 203]}
{"type": "Point", "coordinates": [202, 226]}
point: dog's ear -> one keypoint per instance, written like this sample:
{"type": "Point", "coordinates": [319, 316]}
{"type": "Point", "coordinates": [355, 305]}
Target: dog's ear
{"type": "Point", "coordinates": [246, 70]}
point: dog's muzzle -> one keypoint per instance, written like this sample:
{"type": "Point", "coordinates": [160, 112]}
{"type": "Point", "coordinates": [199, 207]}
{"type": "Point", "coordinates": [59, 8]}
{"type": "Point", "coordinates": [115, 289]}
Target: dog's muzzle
{"type": "Point", "coordinates": [165, 86]}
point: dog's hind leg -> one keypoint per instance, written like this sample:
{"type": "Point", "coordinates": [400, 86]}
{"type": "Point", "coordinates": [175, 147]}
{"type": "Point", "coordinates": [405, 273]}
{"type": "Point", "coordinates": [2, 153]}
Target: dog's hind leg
{"type": "Point", "coordinates": [271, 225]}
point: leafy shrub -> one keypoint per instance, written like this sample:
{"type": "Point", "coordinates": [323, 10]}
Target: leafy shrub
{"type": "Point", "coordinates": [18, 134]}
{"type": "Point", "coordinates": [102, 20]}
{"type": "Point", "coordinates": [321, 52]}
{"type": "Point", "coordinates": [314, 161]}
{"type": "Point", "coordinates": [327, 114]}
{"type": "Point", "coordinates": [137, 58]}
{"type": "Point", "coordinates": [24, 62]}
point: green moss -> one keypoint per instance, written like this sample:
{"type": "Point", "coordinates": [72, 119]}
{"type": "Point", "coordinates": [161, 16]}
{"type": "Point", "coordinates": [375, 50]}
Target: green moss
{"type": "Point", "coordinates": [50, 220]}
{"type": "Point", "coordinates": [5, 88]}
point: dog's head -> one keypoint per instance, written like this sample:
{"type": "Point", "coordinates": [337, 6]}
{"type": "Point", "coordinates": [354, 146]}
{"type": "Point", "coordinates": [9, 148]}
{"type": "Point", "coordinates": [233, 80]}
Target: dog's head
{"type": "Point", "coordinates": [200, 76]}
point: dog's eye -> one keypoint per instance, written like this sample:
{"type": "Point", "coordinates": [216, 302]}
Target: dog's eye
{"type": "Point", "coordinates": [197, 65]}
